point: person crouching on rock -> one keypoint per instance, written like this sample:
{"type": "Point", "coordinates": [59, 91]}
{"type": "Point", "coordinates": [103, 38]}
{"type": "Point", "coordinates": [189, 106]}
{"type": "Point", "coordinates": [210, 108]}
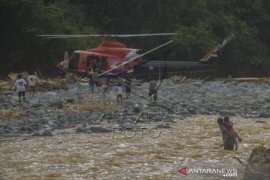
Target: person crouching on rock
{"type": "Point", "coordinates": [229, 126]}
{"type": "Point", "coordinates": [20, 85]}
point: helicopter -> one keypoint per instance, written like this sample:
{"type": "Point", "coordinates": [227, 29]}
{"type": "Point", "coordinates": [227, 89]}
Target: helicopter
{"type": "Point", "coordinates": [113, 58]}
{"type": "Point", "coordinates": [107, 55]}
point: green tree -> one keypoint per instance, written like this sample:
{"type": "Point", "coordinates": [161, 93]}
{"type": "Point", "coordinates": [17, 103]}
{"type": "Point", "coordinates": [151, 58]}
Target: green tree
{"type": "Point", "coordinates": [201, 25]}
{"type": "Point", "coordinates": [22, 20]}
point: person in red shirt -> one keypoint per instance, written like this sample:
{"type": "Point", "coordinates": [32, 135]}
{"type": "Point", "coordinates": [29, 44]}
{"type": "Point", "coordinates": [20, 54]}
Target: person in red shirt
{"type": "Point", "coordinates": [229, 126]}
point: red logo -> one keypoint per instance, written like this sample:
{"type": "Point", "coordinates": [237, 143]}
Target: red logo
{"type": "Point", "coordinates": [183, 171]}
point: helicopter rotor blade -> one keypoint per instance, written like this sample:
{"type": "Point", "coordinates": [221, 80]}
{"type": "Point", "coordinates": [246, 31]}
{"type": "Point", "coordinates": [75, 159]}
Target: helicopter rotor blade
{"type": "Point", "coordinates": [52, 36]}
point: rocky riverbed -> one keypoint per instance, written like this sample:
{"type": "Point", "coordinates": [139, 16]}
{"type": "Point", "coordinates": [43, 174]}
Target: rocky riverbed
{"type": "Point", "coordinates": [68, 108]}
{"type": "Point", "coordinates": [69, 134]}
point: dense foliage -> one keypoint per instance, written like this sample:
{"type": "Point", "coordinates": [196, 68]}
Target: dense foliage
{"type": "Point", "coordinates": [200, 24]}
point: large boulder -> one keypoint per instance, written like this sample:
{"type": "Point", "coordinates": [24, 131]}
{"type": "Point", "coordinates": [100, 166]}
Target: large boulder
{"type": "Point", "coordinates": [258, 166]}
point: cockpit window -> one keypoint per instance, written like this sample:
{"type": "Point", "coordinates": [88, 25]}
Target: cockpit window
{"type": "Point", "coordinates": [97, 62]}
{"type": "Point", "coordinates": [74, 61]}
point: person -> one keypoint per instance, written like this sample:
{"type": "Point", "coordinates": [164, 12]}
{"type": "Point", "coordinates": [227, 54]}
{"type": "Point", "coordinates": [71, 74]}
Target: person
{"type": "Point", "coordinates": [222, 129]}
{"type": "Point", "coordinates": [95, 79]}
{"type": "Point", "coordinates": [127, 85]}
{"type": "Point", "coordinates": [32, 80]}
{"type": "Point", "coordinates": [229, 126]}
{"type": "Point", "coordinates": [104, 87]}
{"type": "Point", "coordinates": [20, 85]}
{"type": "Point", "coordinates": [89, 71]}
{"type": "Point", "coordinates": [153, 87]}
{"type": "Point", "coordinates": [119, 93]}
{"type": "Point", "coordinates": [227, 138]}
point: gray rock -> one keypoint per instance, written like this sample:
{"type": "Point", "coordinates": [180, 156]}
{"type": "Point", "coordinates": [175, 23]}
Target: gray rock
{"type": "Point", "coordinates": [192, 111]}
{"type": "Point", "coordinates": [57, 104]}
{"type": "Point", "coordinates": [36, 105]}
{"type": "Point", "coordinates": [8, 131]}
{"type": "Point", "coordinates": [81, 129]}
{"type": "Point", "coordinates": [258, 166]}
{"type": "Point", "coordinates": [163, 125]}
{"type": "Point", "coordinates": [70, 100]}
{"type": "Point", "coordinates": [264, 115]}
{"type": "Point", "coordinates": [46, 132]}
{"type": "Point", "coordinates": [99, 130]}
{"type": "Point", "coordinates": [127, 126]}
{"type": "Point", "coordinates": [259, 121]}
{"type": "Point", "coordinates": [260, 155]}
{"type": "Point", "coordinates": [136, 108]}
{"type": "Point", "coordinates": [267, 99]}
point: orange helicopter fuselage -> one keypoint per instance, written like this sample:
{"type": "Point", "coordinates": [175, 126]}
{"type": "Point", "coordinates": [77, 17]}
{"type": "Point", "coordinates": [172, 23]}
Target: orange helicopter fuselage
{"type": "Point", "coordinates": [104, 57]}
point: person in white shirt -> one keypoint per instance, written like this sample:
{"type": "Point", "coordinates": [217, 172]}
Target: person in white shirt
{"type": "Point", "coordinates": [32, 81]}
{"type": "Point", "coordinates": [20, 85]}
{"type": "Point", "coordinates": [119, 93]}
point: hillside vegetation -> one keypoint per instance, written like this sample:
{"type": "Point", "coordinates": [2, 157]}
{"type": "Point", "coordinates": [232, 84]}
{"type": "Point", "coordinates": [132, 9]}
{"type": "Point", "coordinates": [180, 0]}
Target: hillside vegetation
{"type": "Point", "coordinates": [200, 24]}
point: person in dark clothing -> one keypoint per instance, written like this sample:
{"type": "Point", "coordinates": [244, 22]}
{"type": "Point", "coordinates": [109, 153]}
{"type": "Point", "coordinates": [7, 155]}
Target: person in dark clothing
{"type": "Point", "coordinates": [104, 82]}
{"type": "Point", "coordinates": [228, 142]}
{"type": "Point", "coordinates": [153, 87]}
{"type": "Point", "coordinates": [127, 86]}
{"type": "Point", "coordinates": [95, 79]}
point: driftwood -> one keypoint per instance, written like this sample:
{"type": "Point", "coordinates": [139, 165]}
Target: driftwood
{"type": "Point", "coordinates": [13, 76]}
{"type": "Point", "coordinates": [42, 84]}
{"type": "Point", "coordinates": [178, 79]}
{"type": "Point", "coordinates": [5, 86]}
{"type": "Point", "coordinates": [72, 77]}
{"type": "Point", "coordinates": [249, 79]}
{"type": "Point", "coordinates": [51, 84]}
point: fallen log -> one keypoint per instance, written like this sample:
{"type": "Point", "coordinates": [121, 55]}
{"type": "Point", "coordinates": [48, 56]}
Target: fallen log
{"type": "Point", "coordinates": [249, 79]}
